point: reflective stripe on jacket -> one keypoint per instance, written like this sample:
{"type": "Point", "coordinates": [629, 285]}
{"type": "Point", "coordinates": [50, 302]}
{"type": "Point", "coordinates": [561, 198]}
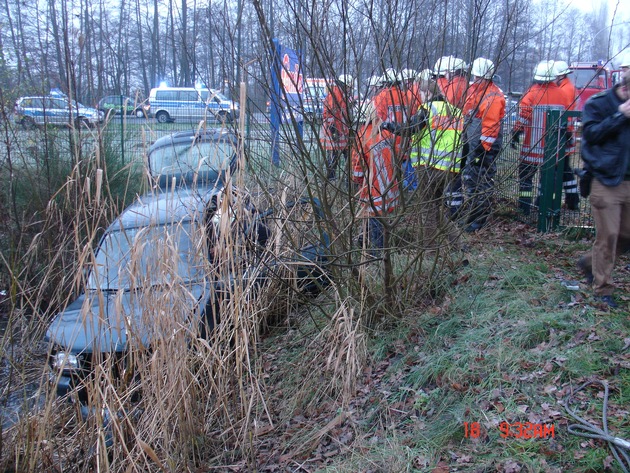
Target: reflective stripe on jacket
{"type": "Point", "coordinates": [438, 145]}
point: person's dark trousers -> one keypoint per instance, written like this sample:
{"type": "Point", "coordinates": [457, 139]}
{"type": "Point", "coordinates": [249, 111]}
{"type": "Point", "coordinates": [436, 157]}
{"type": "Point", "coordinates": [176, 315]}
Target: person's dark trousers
{"type": "Point", "coordinates": [479, 185]}
{"type": "Point", "coordinates": [376, 233]}
{"type": "Point", "coordinates": [526, 173]}
{"type": "Point", "coordinates": [333, 160]}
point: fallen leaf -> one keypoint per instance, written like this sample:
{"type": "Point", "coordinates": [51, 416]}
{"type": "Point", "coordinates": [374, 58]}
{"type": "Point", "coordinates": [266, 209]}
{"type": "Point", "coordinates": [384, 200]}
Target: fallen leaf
{"type": "Point", "coordinates": [441, 467]}
{"type": "Point", "coordinates": [608, 461]}
{"type": "Point", "coordinates": [511, 466]}
{"type": "Point", "coordinates": [464, 459]}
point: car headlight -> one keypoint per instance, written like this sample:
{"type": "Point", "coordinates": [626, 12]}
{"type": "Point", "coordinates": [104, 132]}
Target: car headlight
{"type": "Point", "coordinates": [63, 361]}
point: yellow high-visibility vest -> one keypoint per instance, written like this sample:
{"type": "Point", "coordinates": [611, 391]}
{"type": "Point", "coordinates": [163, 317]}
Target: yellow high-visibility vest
{"type": "Point", "coordinates": [439, 144]}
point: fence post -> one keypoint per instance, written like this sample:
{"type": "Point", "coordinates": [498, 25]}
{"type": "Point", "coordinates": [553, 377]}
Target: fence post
{"type": "Point", "coordinates": [551, 172]}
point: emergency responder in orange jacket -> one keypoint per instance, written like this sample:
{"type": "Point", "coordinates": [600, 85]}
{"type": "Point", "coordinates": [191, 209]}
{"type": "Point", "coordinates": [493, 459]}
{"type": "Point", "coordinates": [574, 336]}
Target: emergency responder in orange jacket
{"type": "Point", "coordinates": [483, 113]}
{"type": "Point", "coordinates": [543, 95]}
{"type": "Point", "coordinates": [374, 170]}
{"type": "Point", "coordinates": [391, 107]}
{"type": "Point", "coordinates": [569, 180]}
{"type": "Point", "coordinates": [390, 100]}
{"type": "Point", "coordinates": [452, 79]}
{"type": "Point", "coordinates": [336, 121]}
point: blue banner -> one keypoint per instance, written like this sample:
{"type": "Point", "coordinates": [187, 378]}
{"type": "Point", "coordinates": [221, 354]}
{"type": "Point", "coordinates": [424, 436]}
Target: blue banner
{"type": "Point", "coordinates": [287, 83]}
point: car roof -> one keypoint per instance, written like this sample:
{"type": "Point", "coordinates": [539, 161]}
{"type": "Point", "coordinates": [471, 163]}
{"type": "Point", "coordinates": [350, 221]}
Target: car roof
{"type": "Point", "coordinates": [158, 208]}
{"type": "Point", "coordinates": [205, 178]}
{"type": "Point", "coordinates": [207, 134]}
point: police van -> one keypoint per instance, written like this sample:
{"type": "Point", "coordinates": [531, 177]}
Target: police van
{"type": "Point", "coordinates": [168, 104]}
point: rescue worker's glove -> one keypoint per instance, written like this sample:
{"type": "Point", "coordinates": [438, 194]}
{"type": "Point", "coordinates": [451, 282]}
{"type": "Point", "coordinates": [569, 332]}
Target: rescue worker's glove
{"type": "Point", "coordinates": [481, 157]}
{"type": "Point", "coordinates": [392, 127]}
{"type": "Point", "coordinates": [516, 137]}
{"type": "Point", "coordinates": [417, 122]}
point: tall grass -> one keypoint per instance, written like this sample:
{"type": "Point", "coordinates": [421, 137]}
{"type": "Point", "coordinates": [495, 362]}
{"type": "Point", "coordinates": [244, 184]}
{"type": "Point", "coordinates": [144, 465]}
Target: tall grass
{"type": "Point", "coordinates": [194, 399]}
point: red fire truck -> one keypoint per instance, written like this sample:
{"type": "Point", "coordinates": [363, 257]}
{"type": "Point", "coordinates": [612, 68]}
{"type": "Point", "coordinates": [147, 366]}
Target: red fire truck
{"type": "Point", "coordinates": [590, 78]}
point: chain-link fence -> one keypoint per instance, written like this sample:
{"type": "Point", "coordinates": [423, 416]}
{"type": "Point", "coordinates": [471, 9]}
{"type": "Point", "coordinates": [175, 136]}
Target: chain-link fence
{"type": "Point", "coordinates": [549, 209]}
{"type": "Point", "coordinates": [129, 137]}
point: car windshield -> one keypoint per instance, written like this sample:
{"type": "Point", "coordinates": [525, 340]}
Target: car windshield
{"type": "Point", "coordinates": [200, 156]}
{"type": "Point", "coordinates": [147, 256]}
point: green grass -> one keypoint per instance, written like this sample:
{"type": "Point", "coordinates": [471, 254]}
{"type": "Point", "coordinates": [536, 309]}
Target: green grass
{"type": "Point", "coordinates": [505, 345]}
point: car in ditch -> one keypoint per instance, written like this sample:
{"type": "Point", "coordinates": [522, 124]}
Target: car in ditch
{"type": "Point", "coordinates": [165, 255]}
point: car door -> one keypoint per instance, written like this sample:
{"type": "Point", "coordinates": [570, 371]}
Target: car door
{"type": "Point", "coordinates": [58, 111]}
{"type": "Point", "coordinates": [33, 108]}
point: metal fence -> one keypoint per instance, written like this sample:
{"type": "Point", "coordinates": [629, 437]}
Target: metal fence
{"type": "Point", "coordinates": [130, 137]}
{"type": "Point", "coordinates": [548, 212]}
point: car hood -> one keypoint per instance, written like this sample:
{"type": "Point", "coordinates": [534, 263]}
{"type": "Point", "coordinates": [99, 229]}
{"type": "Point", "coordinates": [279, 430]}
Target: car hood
{"type": "Point", "coordinates": [110, 321]}
{"type": "Point", "coordinates": [87, 111]}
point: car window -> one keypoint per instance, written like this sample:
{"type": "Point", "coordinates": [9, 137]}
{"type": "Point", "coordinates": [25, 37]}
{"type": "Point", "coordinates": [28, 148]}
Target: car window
{"type": "Point", "coordinates": [148, 256]}
{"type": "Point", "coordinates": [186, 157]}
{"type": "Point", "coordinates": [188, 96]}
{"type": "Point", "coordinates": [35, 102]}
{"type": "Point", "coordinates": [166, 95]}
{"type": "Point", "coordinates": [57, 104]}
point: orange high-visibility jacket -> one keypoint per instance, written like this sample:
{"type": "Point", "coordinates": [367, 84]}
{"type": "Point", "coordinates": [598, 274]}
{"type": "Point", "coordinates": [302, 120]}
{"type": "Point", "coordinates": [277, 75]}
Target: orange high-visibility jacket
{"type": "Point", "coordinates": [335, 117]}
{"type": "Point", "coordinates": [567, 86]}
{"type": "Point", "coordinates": [390, 104]}
{"type": "Point", "coordinates": [454, 90]}
{"type": "Point", "coordinates": [533, 108]}
{"type": "Point", "coordinates": [374, 168]}
{"type": "Point", "coordinates": [483, 111]}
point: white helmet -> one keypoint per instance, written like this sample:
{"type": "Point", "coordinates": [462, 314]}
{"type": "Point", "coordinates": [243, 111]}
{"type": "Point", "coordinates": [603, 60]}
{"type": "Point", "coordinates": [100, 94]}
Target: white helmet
{"type": "Point", "coordinates": [407, 74]}
{"type": "Point", "coordinates": [561, 68]}
{"type": "Point", "coordinates": [424, 75]}
{"type": "Point", "coordinates": [458, 64]}
{"type": "Point", "coordinates": [346, 79]}
{"type": "Point", "coordinates": [482, 67]}
{"type": "Point", "coordinates": [545, 71]}
{"type": "Point", "coordinates": [389, 77]}
{"type": "Point", "coordinates": [443, 65]}
{"type": "Point", "coordinates": [373, 81]}
{"type": "Point", "coordinates": [625, 62]}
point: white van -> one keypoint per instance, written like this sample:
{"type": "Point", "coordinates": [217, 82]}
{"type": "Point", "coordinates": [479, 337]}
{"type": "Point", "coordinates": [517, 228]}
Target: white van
{"type": "Point", "coordinates": [187, 103]}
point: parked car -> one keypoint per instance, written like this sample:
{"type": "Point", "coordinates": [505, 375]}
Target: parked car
{"type": "Point", "coordinates": [187, 103]}
{"type": "Point", "coordinates": [54, 110]}
{"type": "Point", "coordinates": [178, 223]}
{"type": "Point", "coordinates": [117, 103]}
